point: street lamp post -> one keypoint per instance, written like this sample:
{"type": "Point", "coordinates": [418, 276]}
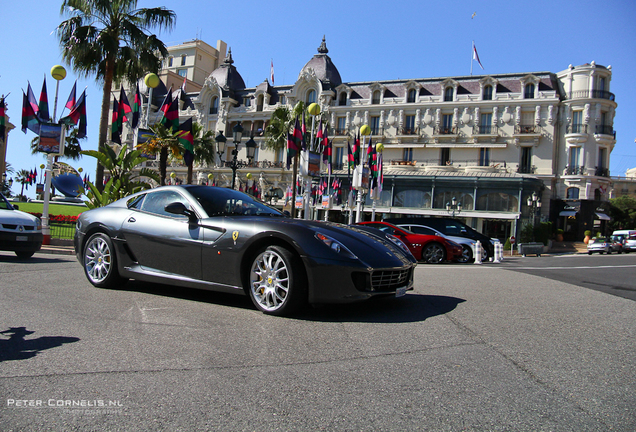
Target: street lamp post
{"type": "Point", "coordinates": [58, 73]}
{"type": "Point", "coordinates": [534, 204]}
{"type": "Point", "coordinates": [237, 132]}
{"type": "Point", "coordinates": [454, 207]}
{"type": "Point", "coordinates": [365, 131]}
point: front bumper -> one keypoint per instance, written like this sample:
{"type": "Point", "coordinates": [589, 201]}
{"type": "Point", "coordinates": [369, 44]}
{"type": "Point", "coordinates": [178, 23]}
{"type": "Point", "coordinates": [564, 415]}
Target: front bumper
{"type": "Point", "coordinates": [20, 241]}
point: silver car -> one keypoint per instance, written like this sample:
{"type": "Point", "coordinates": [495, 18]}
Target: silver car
{"type": "Point", "coordinates": [468, 245]}
{"type": "Point", "coordinates": [600, 245]}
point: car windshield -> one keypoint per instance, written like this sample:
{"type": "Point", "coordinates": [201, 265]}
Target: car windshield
{"type": "Point", "coordinates": [227, 202]}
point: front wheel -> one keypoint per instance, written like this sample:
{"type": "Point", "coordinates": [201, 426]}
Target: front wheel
{"type": "Point", "coordinates": [24, 254]}
{"type": "Point", "coordinates": [434, 253]}
{"type": "Point", "coordinates": [276, 284]}
{"type": "Point", "coordinates": [100, 262]}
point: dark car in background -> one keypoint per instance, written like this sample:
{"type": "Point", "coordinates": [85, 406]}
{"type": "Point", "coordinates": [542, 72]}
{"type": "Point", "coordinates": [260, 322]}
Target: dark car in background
{"type": "Point", "coordinates": [20, 232]}
{"type": "Point", "coordinates": [431, 249]}
{"type": "Point", "coordinates": [451, 227]}
{"type": "Point", "coordinates": [224, 240]}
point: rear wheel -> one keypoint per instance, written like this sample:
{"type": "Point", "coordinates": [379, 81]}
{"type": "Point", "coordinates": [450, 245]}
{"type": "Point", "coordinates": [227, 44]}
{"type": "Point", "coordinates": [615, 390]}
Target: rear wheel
{"type": "Point", "coordinates": [434, 253]}
{"type": "Point", "coordinates": [276, 283]}
{"type": "Point", "coordinates": [100, 262]}
{"type": "Point", "coordinates": [467, 254]}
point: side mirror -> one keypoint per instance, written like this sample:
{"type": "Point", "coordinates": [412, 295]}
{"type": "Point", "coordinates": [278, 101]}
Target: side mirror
{"type": "Point", "coordinates": [15, 207]}
{"type": "Point", "coordinates": [180, 209]}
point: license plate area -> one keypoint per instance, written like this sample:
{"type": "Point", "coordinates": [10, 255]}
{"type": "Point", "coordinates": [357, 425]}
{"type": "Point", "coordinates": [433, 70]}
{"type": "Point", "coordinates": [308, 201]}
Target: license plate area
{"type": "Point", "coordinates": [21, 238]}
{"type": "Point", "coordinates": [400, 292]}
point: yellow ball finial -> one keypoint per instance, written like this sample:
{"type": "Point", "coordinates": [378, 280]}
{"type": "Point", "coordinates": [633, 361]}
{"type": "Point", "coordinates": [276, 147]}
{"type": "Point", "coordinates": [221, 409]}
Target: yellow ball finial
{"type": "Point", "coordinates": [365, 130]}
{"type": "Point", "coordinates": [210, 176]}
{"type": "Point", "coordinates": [151, 80]}
{"type": "Point", "coordinates": [58, 72]}
{"type": "Point", "coordinates": [313, 109]}
{"type": "Point", "coordinates": [249, 176]}
{"type": "Point", "coordinates": [379, 147]}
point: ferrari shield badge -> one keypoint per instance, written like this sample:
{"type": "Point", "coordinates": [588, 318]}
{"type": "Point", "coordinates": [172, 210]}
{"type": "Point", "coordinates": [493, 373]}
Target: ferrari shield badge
{"type": "Point", "coordinates": [235, 235]}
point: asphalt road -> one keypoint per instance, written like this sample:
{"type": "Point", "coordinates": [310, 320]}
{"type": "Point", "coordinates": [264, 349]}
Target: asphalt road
{"type": "Point", "coordinates": [480, 348]}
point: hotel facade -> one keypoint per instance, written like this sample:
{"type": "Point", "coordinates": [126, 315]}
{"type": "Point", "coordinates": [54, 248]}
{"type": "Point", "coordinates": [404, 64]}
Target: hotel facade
{"type": "Point", "coordinates": [487, 141]}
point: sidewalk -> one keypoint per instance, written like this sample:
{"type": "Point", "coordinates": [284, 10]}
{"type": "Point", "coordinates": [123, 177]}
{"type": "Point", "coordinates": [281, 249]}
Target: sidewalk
{"type": "Point", "coordinates": [59, 247]}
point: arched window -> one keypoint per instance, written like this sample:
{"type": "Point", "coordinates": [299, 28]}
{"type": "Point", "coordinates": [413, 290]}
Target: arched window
{"type": "Point", "coordinates": [572, 193]}
{"type": "Point", "coordinates": [375, 100]}
{"type": "Point", "coordinates": [169, 61]}
{"type": "Point", "coordinates": [413, 198]}
{"type": "Point", "coordinates": [445, 197]}
{"type": "Point", "coordinates": [342, 101]}
{"type": "Point", "coordinates": [259, 103]}
{"type": "Point", "coordinates": [487, 94]}
{"type": "Point", "coordinates": [183, 60]}
{"type": "Point", "coordinates": [529, 91]}
{"type": "Point", "coordinates": [498, 201]}
{"type": "Point", "coordinates": [311, 96]}
{"type": "Point", "coordinates": [411, 96]}
{"type": "Point", "coordinates": [448, 94]}
{"type": "Point", "coordinates": [597, 194]}
{"type": "Point", "coordinates": [214, 105]}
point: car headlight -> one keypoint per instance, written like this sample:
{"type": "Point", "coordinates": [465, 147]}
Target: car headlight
{"type": "Point", "coordinates": [335, 245]}
{"type": "Point", "coordinates": [38, 224]}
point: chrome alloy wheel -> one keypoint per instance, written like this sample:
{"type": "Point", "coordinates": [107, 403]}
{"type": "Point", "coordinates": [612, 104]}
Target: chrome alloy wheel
{"type": "Point", "coordinates": [434, 254]}
{"type": "Point", "coordinates": [97, 259]}
{"type": "Point", "coordinates": [270, 280]}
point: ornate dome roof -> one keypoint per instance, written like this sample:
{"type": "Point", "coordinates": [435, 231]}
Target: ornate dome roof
{"type": "Point", "coordinates": [227, 76]}
{"type": "Point", "coordinates": [323, 67]}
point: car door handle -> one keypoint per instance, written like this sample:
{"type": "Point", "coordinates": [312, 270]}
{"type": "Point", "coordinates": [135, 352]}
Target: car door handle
{"type": "Point", "coordinates": [131, 220]}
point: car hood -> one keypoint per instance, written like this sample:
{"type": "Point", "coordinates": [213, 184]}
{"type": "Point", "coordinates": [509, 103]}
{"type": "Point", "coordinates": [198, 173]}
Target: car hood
{"type": "Point", "coordinates": [17, 217]}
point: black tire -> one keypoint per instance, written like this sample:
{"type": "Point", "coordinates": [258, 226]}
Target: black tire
{"type": "Point", "coordinates": [601, 252]}
{"type": "Point", "coordinates": [24, 254]}
{"type": "Point", "coordinates": [434, 253]}
{"type": "Point", "coordinates": [467, 254]}
{"type": "Point", "coordinates": [609, 252]}
{"type": "Point", "coordinates": [589, 253]}
{"type": "Point", "coordinates": [277, 285]}
{"type": "Point", "coordinates": [100, 262]}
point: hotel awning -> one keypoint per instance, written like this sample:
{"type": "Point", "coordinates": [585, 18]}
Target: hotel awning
{"type": "Point", "coordinates": [567, 213]}
{"type": "Point", "coordinates": [602, 216]}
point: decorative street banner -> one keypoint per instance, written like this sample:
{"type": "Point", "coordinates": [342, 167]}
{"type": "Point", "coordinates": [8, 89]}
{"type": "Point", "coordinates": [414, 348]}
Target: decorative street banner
{"type": "Point", "coordinates": [51, 139]}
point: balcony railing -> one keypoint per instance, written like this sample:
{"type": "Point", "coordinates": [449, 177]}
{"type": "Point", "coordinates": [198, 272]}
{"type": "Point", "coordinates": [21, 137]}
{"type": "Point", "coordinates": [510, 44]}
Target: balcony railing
{"type": "Point", "coordinates": [445, 130]}
{"type": "Point", "coordinates": [575, 170]}
{"type": "Point", "coordinates": [605, 130]}
{"type": "Point", "coordinates": [601, 172]}
{"type": "Point", "coordinates": [591, 94]}
{"type": "Point", "coordinates": [576, 129]}
{"type": "Point", "coordinates": [485, 130]}
{"type": "Point", "coordinates": [527, 129]}
{"type": "Point", "coordinates": [524, 169]}
{"type": "Point", "coordinates": [408, 131]}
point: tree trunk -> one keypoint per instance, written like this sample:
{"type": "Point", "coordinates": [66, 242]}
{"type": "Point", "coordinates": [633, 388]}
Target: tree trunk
{"type": "Point", "coordinates": [163, 163]}
{"type": "Point", "coordinates": [103, 122]}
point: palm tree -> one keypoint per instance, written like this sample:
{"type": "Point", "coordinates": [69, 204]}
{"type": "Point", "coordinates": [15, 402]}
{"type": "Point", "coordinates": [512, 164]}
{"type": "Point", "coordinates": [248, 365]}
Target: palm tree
{"type": "Point", "coordinates": [24, 178]}
{"type": "Point", "coordinates": [111, 40]}
{"type": "Point", "coordinates": [280, 123]}
{"type": "Point", "coordinates": [124, 178]}
{"type": "Point", "coordinates": [203, 147]}
{"type": "Point", "coordinates": [163, 142]}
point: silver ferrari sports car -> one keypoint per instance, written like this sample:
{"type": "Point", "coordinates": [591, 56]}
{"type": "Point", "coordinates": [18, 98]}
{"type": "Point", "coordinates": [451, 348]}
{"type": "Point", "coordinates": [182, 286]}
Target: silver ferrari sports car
{"type": "Point", "coordinates": [224, 240]}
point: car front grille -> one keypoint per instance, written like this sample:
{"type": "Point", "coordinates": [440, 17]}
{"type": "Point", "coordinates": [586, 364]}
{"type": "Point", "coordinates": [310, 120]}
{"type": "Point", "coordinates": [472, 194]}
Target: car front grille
{"type": "Point", "coordinates": [389, 280]}
{"type": "Point", "coordinates": [13, 227]}
{"type": "Point", "coordinates": [382, 280]}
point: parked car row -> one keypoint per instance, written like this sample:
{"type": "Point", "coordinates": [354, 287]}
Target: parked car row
{"type": "Point", "coordinates": [620, 241]}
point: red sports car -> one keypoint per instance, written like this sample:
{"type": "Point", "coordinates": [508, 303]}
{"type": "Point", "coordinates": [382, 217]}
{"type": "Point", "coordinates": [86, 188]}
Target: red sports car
{"type": "Point", "coordinates": [431, 249]}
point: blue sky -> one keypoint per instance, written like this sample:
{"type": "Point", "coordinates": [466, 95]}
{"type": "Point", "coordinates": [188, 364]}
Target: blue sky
{"type": "Point", "coordinates": [370, 40]}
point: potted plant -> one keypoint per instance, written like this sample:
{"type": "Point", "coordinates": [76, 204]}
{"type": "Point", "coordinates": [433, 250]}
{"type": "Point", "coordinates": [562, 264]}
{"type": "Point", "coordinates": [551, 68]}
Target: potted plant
{"type": "Point", "coordinates": [559, 235]}
{"type": "Point", "coordinates": [588, 235]}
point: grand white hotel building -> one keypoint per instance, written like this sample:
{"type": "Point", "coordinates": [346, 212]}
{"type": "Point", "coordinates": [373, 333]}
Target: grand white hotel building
{"type": "Point", "coordinates": [490, 141]}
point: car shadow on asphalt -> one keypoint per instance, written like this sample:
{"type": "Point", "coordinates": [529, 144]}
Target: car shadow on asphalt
{"type": "Point", "coordinates": [36, 259]}
{"type": "Point", "coordinates": [410, 308]}
{"type": "Point", "coordinates": [19, 348]}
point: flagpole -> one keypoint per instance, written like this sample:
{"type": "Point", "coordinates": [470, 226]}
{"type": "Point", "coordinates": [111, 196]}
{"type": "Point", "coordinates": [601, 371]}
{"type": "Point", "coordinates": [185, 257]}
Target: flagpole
{"type": "Point", "coordinates": [471, 58]}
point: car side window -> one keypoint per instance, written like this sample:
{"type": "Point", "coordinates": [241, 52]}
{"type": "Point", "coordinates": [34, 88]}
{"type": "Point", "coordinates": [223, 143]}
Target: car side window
{"type": "Point", "coordinates": [386, 229]}
{"type": "Point", "coordinates": [135, 203]}
{"type": "Point", "coordinates": [422, 230]}
{"type": "Point", "coordinates": [156, 202]}
{"type": "Point", "coordinates": [453, 229]}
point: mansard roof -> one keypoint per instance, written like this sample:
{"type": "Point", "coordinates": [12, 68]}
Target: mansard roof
{"type": "Point", "coordinates": [323, 68]}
